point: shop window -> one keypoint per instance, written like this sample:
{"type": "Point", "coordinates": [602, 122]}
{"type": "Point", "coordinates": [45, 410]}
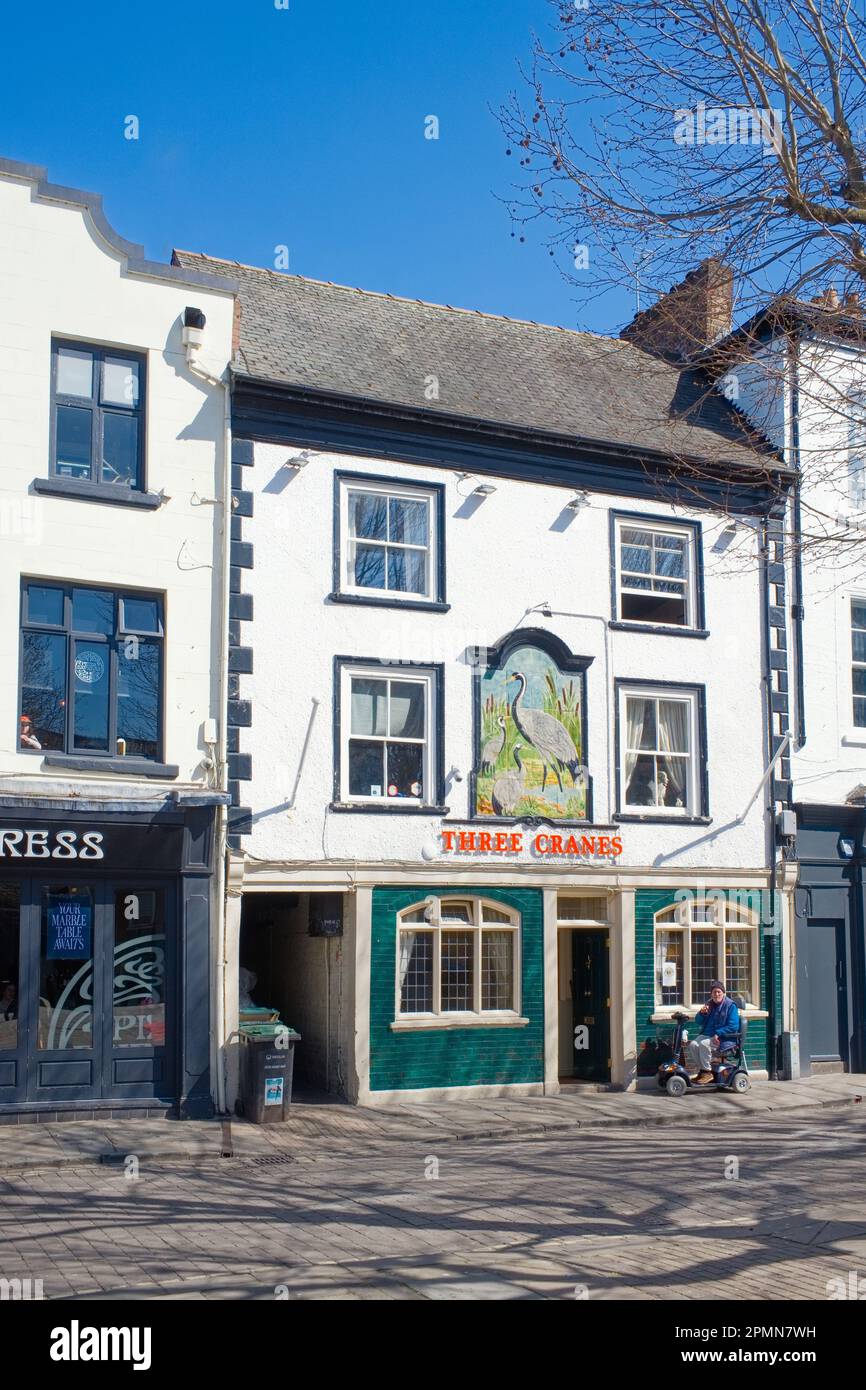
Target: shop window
{"type": "Point", "coordinates": [139, 980]}
{"type": "Point", "coordinates": [388, 752]}
{"type": "Point", "coordinates": [389, 539]}
{"type": "Point", "coordinates": [10, 918]}
{"type": "Point", "coordinates": [97, 415]}
{"type": "Point", "coordinates": [696, 943]}
{"type": "Point", "coordinates": [91, 671]}
{"type": "Point", "coordinates": [659, 738]}
{"type": "Point", "coordinates": [656, 572]}
{"type": "Point", "coordinates": [457, 957]}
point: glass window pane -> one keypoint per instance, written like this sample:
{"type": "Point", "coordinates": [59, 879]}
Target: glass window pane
{"type": "Point", "coordinates": [858, 614]}
{"type": "Point", "coordinates": [493, 914]}
{"type": "Point", "coordinates": [673, 726]}
{"type": "Point", "coordinates": [408, 521]}
{"type": "Point", "coordinates": [738, 963]}
{"type": "Point", "coordinates": [458, 970]}
{"type": "Point", "coordinates": [72, 458]}
{"type": "Point", "coordinates": [705, 964]}
{"type": "Point", "coordinates": [636, 550]}
{"type": "Point", "coordinates": [859, 675]}
{"type": "Point", "coordinates": [369, 567]}
{"type": "Point", "coordinates": [120, 381]}
{"type": "Point", "coordinates": [44, 605]}
{"type": "Point", "coordinates": [366, 768]}
{"type": "Point", "coordinates": [641, 718]}
{"type": "Point", "coordinates": [138, 687]}
{"type": "Point", "coordinates": [66, 969]}
{"type": "Point", "coordinates": [669, 953]}
{"type": "Point", "coordinates": [416, 972]}
{"type": "Point", "coordinates": [43, 691]}
{"type": "Point", "coordinates": [369, 706]}
{"type": "Point", "coordinates": [138, 1001]}
{"type": "Point", "coordinates": [90, 710]}
{"type": "Point", "coordinates": [120, 449]}
{"type": "Point", "coordinates": [455, 912]}
{"type": "Point", "coordinates": [368, 516]}
{"type": "Point", "coordinates": [670, 555]}
{"type": "Point", "coordinates": [407, 709]}
{"type": "Point", "coordinates": [858, 645]}
{"type": "Point", "coordinates": [139, 614]}
{"type": "Point", "coordinates": [859, 713]}
{"type": "Point", "coordinates": [10, 917]}
{"type": "Point", "coordinates": [672, 781]}
{"type": "Point", "coordinates": [497, 970]}
{"type": "Point", "coordinates": [641, 782]}
{"type": "Point", "coordinates": [407, 571]}
{"type": "Point", "coordinates": [406, 769]}
{"type": "Point", "coordinates": [93, 611]}
{"type": "Point", "coordinates": [74, 373]}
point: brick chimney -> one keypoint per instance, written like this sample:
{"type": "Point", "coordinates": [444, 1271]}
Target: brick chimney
{"type": "Point", "coordinates": [692, 315]}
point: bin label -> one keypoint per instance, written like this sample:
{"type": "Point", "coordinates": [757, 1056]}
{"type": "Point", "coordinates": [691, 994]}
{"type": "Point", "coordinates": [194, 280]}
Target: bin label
{"type": "Point", "coordinates": [274, 1090]}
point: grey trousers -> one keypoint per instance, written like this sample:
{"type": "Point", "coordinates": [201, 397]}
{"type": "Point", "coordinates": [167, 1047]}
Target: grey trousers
{"type": "Point", "coordinates": [699, 1053]}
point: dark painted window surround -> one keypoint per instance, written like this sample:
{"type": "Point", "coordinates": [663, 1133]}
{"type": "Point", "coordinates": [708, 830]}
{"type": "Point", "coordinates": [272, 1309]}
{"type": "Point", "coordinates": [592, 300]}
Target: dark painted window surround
{"type": "Point", "coordinates": [374, 600]}
{"type": "Point", "coordinates": [88, 489]}
{"type": "Point", "coordinates": [78, 761]}
{"type": "Point", "coordinates": [437, 734]}
{"type": "Point", "coordinates": [660, 629]}
{"type": "Point", "coordinates": [702, 816]}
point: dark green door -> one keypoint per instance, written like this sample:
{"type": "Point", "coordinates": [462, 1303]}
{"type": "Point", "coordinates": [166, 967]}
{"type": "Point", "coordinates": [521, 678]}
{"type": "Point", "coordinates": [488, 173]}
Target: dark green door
{"type": "Point", "coordinates": [590, 988]}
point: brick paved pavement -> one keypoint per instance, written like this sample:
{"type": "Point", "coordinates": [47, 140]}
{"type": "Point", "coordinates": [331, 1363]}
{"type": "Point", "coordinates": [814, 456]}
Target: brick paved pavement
{"type": "Point", "coordinates": [634, 1213]}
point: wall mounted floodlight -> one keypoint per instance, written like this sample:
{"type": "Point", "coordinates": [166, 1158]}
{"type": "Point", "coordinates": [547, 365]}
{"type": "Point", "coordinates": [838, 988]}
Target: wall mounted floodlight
{"type": "Point", "coordinates": [578, 502]}
{"type": "Point", "coordinates": [483, 490]}
{"type": "Point", "coordinates": [299, 461]}
{"type": "Point", "coordinates": [193, 327]}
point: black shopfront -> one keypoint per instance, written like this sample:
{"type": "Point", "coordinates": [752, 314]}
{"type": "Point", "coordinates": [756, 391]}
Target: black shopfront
{"type": "Point", "coordinates": [830, 904]}
{"type": "Point", "coordinates": [105, 958]}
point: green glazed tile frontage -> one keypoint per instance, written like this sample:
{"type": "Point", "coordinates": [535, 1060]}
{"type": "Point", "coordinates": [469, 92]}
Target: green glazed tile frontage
{"type": "Point", "coordinates": [474, 1056]}
{"type": "Point", "coordinates": [650, 901]}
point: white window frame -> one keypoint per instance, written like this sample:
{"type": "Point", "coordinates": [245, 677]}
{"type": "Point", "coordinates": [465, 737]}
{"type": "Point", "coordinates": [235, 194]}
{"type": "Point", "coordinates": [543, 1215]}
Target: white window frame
{"type": "Point", "coordinates": [684, 694]}
{"type": "Point", "coordinates": [858, 730]}
{"type": "Point", "coordinates": [411, 492]}
{"type": "Point", "coordinates": [432, 907]}
{"type": "Point", "coordinates": [722, 916]}
{"type": "Point", "coordinates": [667, 528]}
{"type": "Point", "coordinates": [406, 674]}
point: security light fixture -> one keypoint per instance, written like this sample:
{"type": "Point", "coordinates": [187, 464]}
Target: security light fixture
{"type": "Point", "coordinates": [193, 327]}
{"type": "Point", "coordinates": [299, 461]}
{"type": "Point", "coordinates": [483, 490]}
{"type": "Point", "coordinates": [578, 502]}
{"type": "Point", "coordinates": [846, 847]}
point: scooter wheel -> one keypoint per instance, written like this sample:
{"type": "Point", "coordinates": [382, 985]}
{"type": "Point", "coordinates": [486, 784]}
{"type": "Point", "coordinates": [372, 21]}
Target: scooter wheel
{"type": "Point", "coordinates": [675, 1086]}
{"type": "Point", "coordinates": [742, 1083]}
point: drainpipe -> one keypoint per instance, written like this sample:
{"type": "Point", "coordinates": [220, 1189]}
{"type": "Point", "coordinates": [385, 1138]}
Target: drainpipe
{"type": "Point", "coordinates": [192, 339]}
{"type": "Point", "coordinates": [797, 611]}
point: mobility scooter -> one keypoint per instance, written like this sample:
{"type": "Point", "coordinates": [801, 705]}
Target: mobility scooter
{"type": "Point", "coordinates": [730, 1068]}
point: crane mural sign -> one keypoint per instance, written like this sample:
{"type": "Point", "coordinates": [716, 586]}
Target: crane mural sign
{"type": "Point", "coordinates": [530, 732]}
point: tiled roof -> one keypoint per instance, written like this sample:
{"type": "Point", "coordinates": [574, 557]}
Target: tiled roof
{"type": "Point", "coordinates": [314, 334]}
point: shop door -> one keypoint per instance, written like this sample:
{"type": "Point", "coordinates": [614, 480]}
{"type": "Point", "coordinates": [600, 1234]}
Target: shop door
{"type": "Point", "coordinates": [828, 990]}
{"type": "Point", "coordinates": [13, 1038]}
{"type": "Point", "coordinates": [95, 1013]}
{"type": "Point", "coordinates": [591, 1005]}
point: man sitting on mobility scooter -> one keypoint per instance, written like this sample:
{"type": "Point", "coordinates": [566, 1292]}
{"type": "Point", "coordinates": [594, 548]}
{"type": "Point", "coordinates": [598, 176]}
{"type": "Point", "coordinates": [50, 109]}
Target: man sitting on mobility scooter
{"type": "Point", "coordinates": [720, 1024]}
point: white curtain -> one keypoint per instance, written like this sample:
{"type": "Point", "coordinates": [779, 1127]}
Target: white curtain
{"type": "Point", "coordinates": [407, 946]}
{"type": "Point", "coordinates": [673, 737]}
{"type": "Point", "coordinates": [635, 713]}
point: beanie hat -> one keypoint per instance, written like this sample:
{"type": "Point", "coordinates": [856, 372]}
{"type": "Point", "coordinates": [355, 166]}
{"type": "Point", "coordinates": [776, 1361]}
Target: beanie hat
{"type": "Point", "coordinates": [717, 984]}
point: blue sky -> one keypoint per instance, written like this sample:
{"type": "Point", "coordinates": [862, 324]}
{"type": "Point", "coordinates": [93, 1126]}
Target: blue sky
{"type": "Point", "coordinates": [261, 127]}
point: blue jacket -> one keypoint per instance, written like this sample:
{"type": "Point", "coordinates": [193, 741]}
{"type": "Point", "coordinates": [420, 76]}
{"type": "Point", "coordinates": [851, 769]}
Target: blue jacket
{"type": "Point", "coordinates": [722, 1021]}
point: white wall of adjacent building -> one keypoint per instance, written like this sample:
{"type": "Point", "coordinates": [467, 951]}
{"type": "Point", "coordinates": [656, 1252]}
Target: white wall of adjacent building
{"type": "Point", "coordinates": [60, 277]}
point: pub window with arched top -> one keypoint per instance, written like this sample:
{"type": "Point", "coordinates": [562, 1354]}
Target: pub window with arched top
{"type": "Point", "coordinates": [703, 940]}
{"type": "Point", "coordinates": [457, 956]}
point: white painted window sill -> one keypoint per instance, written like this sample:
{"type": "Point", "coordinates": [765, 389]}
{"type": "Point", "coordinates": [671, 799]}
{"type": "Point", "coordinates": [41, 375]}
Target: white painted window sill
{"type": "Point", "coordinates": [667, 1015]}
{"type": "Point", "coordinates": [406, 1025]}
{"type": "Point", "coordinates": [854, 738]}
